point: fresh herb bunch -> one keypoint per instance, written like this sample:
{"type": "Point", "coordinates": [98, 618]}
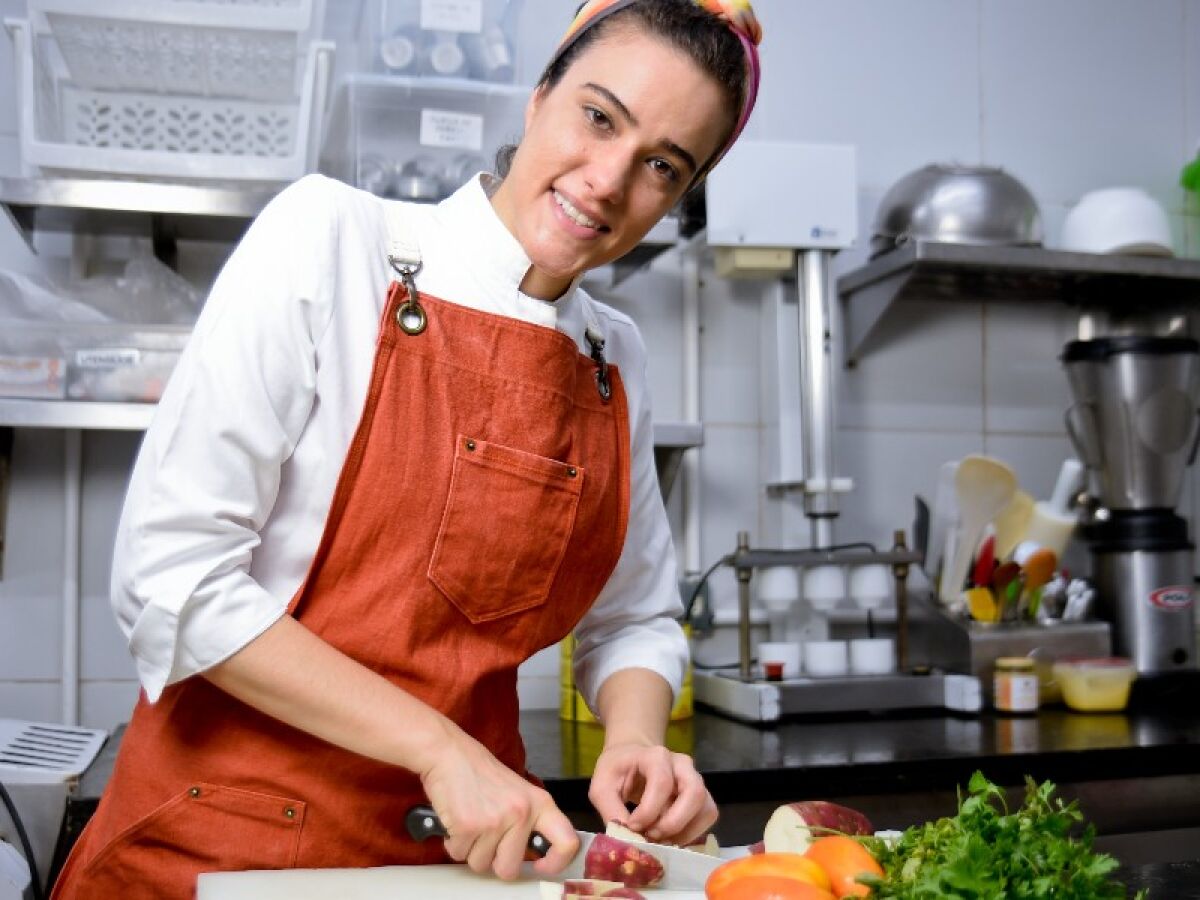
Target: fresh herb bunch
{"type": "Point", "coordinates": [987, 853]}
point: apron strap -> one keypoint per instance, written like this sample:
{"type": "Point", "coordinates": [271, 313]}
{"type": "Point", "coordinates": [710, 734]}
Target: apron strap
{"type": "Point", "coordinates": [404, 255]}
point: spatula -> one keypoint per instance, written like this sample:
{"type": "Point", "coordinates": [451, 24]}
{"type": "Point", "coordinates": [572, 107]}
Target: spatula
{"type": "Point", "coordinates": [983, 487]}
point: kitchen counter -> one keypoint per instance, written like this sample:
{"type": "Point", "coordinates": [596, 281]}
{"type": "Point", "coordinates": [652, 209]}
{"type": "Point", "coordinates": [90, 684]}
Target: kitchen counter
{"type": "Point", "coordinates": [1134, 774]}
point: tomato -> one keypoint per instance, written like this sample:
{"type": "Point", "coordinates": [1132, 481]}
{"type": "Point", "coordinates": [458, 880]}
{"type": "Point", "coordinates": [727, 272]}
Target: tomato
{"type": "Point", "coordinates": [790, 866]}
{"type": "Point", "coordinates": [843, 860]}
{"type": "Point", "coordinates": [767, 887]}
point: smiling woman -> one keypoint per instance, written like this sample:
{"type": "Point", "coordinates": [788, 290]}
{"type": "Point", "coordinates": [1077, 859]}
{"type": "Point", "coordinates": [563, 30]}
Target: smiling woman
{"type": "Point", "coordinates": [402, 454]}
{"type": "Point", "coordinates": [640, 101]}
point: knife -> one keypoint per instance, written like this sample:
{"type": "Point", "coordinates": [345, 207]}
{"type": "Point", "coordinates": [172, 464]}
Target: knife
{"type": "Point", "coordinates": [683, 870]}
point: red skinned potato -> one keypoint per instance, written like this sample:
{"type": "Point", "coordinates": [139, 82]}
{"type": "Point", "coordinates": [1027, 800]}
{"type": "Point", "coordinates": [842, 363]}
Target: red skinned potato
{"type": "Point", "coordinates": [611, 859]}
{"type": "Point", "coordinates": [792, 828]}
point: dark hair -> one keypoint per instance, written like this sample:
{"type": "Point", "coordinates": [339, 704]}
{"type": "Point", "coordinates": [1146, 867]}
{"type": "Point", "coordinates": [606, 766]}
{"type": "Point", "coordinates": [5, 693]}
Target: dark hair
{"type": "Point", "coordinates": [683, 24]}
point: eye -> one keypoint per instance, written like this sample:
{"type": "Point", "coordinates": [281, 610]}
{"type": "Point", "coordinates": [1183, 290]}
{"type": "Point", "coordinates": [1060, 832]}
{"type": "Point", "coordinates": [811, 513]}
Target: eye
{"type": "Point", "coordinates": [597, 118]}
{"type": "Point", "coordinates": [663, 168]}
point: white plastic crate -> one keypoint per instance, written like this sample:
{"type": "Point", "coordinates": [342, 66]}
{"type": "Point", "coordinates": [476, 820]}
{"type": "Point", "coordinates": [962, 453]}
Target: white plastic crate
{"type": "Point", "coordinates": [69, 125]}
{"type": "Point", "coordinates": [75, 361]}
{"type": "Point", "coordinates": [249, 49]}
{"type": "Point", "coordinates": [418, 139]}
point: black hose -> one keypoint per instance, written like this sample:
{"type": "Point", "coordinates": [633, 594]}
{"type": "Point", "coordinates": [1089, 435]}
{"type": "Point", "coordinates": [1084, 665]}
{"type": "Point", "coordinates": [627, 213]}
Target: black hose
{"type": "Point", "coordinates": [25, 845]}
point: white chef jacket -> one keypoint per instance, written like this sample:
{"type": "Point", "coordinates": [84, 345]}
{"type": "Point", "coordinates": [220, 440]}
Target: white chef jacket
{"type": "Point", "coordinates": [229, 495]}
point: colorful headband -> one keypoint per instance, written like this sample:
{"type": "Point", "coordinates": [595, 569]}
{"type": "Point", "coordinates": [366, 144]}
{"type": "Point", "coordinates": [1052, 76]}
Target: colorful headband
{"type": "Point", "coordinates": [737, 14]}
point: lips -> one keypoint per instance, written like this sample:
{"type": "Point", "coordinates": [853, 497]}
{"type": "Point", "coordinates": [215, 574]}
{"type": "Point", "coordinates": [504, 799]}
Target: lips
{"type": "Point", "coordinates": [578, 216]}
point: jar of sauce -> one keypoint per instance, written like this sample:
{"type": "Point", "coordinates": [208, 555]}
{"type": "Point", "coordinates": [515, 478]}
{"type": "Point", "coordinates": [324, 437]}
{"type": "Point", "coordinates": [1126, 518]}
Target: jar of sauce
{"type": "Point", "coordinates": [1015, 685]}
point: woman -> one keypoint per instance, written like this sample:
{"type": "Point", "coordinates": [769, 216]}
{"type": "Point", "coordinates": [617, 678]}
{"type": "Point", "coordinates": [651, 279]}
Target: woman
{"type": "Point", "coordinates": [324, 646]}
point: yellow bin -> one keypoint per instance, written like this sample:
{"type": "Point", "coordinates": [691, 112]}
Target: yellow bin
{"type": "Point", "coordinates": [572, 708]}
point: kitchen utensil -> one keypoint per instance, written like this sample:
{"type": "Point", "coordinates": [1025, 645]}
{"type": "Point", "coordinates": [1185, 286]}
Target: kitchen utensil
{"type": "Point", "coordinates": [1118, 220]}
{"type": "Point", "coordinates": [983, 487]}
{"type": "Point", "coordinates": [957, 204]}
{"type": "Point", "coordinates": [1006, 586]}
{"type": "Point", "coordinates": [1038, 570]}
{"type": "Point", "coordinates": [683, 869]}
{"type": "Point", "coordinates": [942, 520]}
{"type": "Point", "coordinates": [1052, 522]}
{"type": "Point", "coordinates": [921, 530]}
{"type": "Point", "coordinates": [1010, 525]}
{"type": "Point", "coordinates": [985, 562]}
{"type": "Point", "coordinates": [983, 605]}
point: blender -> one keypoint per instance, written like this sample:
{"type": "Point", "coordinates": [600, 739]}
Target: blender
{"type": "Point", "coordinates": [1133, 422]}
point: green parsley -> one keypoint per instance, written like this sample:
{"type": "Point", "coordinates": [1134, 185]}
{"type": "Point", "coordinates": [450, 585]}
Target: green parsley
{"type": "Point", "coordinates": [987, 853]}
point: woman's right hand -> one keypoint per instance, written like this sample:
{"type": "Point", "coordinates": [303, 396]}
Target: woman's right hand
{"type": "Point", "coordinates": [489, 811]}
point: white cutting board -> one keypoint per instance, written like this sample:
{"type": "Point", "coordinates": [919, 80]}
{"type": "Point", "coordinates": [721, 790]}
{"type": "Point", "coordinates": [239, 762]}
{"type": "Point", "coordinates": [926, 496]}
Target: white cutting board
{"type": "Point", "coordinates": [387, 883]}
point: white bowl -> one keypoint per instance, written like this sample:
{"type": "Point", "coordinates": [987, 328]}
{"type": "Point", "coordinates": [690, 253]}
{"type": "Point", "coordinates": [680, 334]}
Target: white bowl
{"type": "Point", "coordinates": [826, 658]}
{"type": "Point", "coordinates": [1118, 220]}
{"type": "Point", "coordinates": [824, 586]}
{"type": "Point", "coordinates": [872, 656]}
{"type": "Point", "coordinates": [871, 586]}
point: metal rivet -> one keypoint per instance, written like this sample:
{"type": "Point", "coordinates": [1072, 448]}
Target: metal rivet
{"type": "Point", "coordinates": [289, 812]}
{"type": "Point", "coordinates": [470, 445]}
{"type": "Point", "coordinates": [571, 471]}
{"type": "Point", "coordinates": [194, 792]}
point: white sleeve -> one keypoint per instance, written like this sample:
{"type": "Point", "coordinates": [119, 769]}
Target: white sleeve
{"type": "Point", "coordinates": [208, 472]}
{"type": "Point", "coordinates": [634, 623]}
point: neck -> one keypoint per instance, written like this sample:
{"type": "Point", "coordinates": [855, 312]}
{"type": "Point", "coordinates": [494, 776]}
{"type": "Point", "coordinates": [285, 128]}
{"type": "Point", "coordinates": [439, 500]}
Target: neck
{"type": "Point", "coordinates": [539, 285]}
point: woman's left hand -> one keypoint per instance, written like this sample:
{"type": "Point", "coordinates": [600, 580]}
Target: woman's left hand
{"type": "Point", "coordinates": [673, 805]}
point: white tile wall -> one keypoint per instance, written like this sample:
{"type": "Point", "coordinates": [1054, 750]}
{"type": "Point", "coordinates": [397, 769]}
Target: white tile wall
{"type": "Point", "coordinates": [1069, 96]}
{"type": "Point", "coordinates": [1082, 94]}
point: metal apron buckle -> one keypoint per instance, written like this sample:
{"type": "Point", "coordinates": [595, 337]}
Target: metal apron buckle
{"type": "Point", "coordinates": [410, 315]}
{"type": "Point", "coordinates": [596, 342]}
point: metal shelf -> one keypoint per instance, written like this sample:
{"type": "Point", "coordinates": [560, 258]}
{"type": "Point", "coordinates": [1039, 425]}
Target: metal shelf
{"type": "Point", "coordinates": [110, 206]}
{"type": "Point", "coordinates": [75, 414]}
{"type": "Point", "coordinates": [671, 439]}
{"type": "Point", "coordinates": [928, 270]}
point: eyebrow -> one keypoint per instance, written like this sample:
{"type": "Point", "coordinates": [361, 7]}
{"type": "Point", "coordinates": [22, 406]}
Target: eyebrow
{"type": "Point", "coordinates": [624, 110]}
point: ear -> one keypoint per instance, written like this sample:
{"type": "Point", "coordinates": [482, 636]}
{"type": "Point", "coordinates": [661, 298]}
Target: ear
{"type": "Point", "coordinates": [535, 103]}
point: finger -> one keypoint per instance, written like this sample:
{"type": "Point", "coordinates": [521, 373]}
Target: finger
{"type": "Point", "coordinates": [564, 841]}
{"type": "Point", "coordinates": [690, 797]}
{"type": "Point", "coordinates": [700, 825]}
{"type": "Point", "coordinates": [458, 846]}
{"type": "Point", "coordinates": [510, 851]}
{"type": "Point", "coordinates": [655, 768]}
{"type": "Point", "coordinates": [483, 851]}
{"type": "Point", "coordinates": [607, 796]}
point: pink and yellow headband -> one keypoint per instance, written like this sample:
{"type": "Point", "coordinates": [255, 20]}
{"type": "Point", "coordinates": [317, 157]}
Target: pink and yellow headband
{"type": "Point", "coordinates": [737, 14]}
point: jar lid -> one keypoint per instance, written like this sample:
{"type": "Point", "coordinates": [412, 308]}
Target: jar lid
{"type": "Point", "coordinates": [1017, 663]}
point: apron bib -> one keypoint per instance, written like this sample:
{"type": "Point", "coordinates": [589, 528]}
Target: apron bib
{"type": "Point", "coordinates": [481, 507]}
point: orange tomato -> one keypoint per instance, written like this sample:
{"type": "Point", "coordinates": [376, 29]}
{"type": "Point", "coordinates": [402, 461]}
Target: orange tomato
{"type": "Point", "coordinates": [768, 887]}
{"type": "Point", "coordinates": [843, 860]}
{"type": "Point", "coordinates": [791, 866]}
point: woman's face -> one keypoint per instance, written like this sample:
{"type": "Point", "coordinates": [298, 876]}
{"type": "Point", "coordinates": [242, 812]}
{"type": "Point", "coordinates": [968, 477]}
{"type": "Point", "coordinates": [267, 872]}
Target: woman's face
{"type": "Point", "coordinates": [606, 153]}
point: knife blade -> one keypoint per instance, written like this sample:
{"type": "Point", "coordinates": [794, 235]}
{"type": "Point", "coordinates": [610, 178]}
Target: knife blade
{"type": "Point", "coordinates": [683, 870]}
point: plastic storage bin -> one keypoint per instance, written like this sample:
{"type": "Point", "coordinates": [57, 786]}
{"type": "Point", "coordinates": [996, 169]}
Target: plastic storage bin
{"type": "Point", "coordinates": [418, 139]}
{"type": "Point", "coordinates": [1095, 685]}
{"type": "Point", "coordinates": [178, 89]}
{"type": "Point", "coordinates": [111, 362]}
{"type": "Point", "coordinates": [440, 38]}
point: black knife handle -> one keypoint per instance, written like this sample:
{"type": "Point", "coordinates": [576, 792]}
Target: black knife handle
{"type": "Point", "coordinates": [423, 823]}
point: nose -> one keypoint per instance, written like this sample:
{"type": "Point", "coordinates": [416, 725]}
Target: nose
{"type": "Point", "coordinates": [609, 174]}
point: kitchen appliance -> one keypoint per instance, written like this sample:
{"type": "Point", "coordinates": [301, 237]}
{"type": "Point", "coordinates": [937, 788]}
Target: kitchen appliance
{"type": "Point", "coordinates": [1133, 421]}
{"type": "Point", "coordinates": [40, 764]}
{"type": "Point", "coordinates": [957, 204]}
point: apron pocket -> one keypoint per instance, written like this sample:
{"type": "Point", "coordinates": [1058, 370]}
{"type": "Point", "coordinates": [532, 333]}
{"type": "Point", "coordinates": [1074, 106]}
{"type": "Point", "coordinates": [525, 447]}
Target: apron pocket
{"type": "Point", "coordinates": [505, 530]}
{"type": "Point", "coordinates": [206, 828]}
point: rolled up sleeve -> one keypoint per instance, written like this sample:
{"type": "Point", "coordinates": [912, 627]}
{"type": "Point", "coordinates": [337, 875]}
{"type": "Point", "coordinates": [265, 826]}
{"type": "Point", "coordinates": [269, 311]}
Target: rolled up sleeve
{"type": "Point", "coordinates": [634, 623]}
{"type": "Point", "coordinates": [209, 469]}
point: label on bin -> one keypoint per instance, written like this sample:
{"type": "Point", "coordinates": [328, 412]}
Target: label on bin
{"type": "Point", "coordinates": [108, 358]}
{"type": "Point", "coordinates": [441, 128]}
{"type": "Point", "coordinates": [452, 15]}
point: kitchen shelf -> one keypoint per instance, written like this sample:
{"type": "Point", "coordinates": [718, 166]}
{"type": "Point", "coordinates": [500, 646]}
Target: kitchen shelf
{"type": "Point", "coordinates": [671, 439]}
{"type": "Point", "coordinates": [930, 270]}
{"type": "Point", "coordinates": [111, 206]}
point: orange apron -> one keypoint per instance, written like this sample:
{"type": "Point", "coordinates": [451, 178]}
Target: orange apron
{"type": "Point", "coordinates": [481, 508]}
